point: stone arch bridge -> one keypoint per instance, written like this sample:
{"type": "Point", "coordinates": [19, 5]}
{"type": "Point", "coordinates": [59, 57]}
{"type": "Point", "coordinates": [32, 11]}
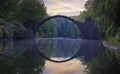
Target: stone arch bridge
{"type": "Point", "coordinates": [88, 28]}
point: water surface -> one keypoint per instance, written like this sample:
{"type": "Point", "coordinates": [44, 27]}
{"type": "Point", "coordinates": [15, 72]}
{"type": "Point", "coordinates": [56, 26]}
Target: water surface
{"type": "Point", "coordinates": [34, 56]}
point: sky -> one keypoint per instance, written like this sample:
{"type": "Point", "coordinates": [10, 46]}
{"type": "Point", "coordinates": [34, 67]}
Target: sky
{"type": "Point", "coordinates": [64, 7]}
{"type": "Point", "coordinates": [74, 66]}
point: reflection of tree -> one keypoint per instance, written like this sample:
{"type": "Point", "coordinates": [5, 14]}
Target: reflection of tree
{"type": "Point", "coordinates": [89, 49]}
{"type": "Point", "coordinates": [98, 59]}
{"type": "Point", "coordinates": [30, 66]}
{"type": "Point", "coordinates": [58, 47]}
{"type": "Point", "coordinates": [12, 48]}
{"type": "Point", "coordinates": [106, 63]}
{"type": "Point", "coordinates": [47, 47]}
{"type": "Point", "coordinates": [21, 65]}
{"type": "Point", "coordinates": [19, 62]}
{"type": "Point", "coordinates": [3, 47]}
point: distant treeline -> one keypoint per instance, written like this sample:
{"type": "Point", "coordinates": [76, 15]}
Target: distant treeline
{"type": "Point", "coordinates": [59, 27]}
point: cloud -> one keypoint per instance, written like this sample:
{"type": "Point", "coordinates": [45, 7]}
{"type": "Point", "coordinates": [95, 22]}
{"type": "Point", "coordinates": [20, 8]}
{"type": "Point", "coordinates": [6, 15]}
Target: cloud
{"type": "Point", "coordinates": [71, 67]}
{"type": "Point", "coordinates": [67, 6]}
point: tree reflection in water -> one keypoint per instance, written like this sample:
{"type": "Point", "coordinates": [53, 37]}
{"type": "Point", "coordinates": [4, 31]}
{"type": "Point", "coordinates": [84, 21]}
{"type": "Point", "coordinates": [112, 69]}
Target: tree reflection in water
{"type": "Point", "coordinates": [14, 60]}
{"type": "Point", "coordinates": [24, 56]}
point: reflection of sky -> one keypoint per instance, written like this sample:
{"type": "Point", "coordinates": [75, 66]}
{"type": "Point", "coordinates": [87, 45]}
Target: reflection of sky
{"type": "Point", "coordinates": [64, 7]}
{"type": "Point", "coordinates": [71, 67]}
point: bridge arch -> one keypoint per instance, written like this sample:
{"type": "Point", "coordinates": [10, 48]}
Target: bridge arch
{"type": "Point", "coordinates": [32, 26]}
{"type": "Point", "coordinates": [45, 20]}
{"type": "Point", "coordinates": [88, 30]}
{"type": "Point", "coordinates": [56, 16]}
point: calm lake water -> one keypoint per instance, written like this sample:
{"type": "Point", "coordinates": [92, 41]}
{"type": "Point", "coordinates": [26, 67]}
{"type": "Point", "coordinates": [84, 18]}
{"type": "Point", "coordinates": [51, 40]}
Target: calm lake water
{"type": "Point", "coordinates": [48, 55]}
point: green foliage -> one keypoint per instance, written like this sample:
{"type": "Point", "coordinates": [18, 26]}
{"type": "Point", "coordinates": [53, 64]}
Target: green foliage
{"type": "Point", "coordinates": [48, 29]}
{"type": "Point", "coordinates": [17, 30]}
{"type": "Point", "coordinates": [82, 16]}
{"type": "Point", "coordinates": [30, 9]}
{"type": "Point", "coordinates": [106, 63]}
{"type": "Point", "coordinates": [16, 12]}
{"type": "Point", "coordinates": [105, 13]}
{"type": "Point", "coordinates": [13, 30]}
{"type": "Point", "coordinates": [59, 27]}
{"type": "Point", "coordinates": [8, 9]}
{"type": "Point", "coordinates": [21, 65]}
{"type": "Point", "coordinates": [22, 10]}
{"type": "Point", "coordinates": [1, 33]}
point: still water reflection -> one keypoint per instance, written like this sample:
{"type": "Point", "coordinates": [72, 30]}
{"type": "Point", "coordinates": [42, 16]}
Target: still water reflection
{"type": "Point", "coordinates": [34, 56]}
{"type": "Point", "coordinates": [58, 47]}
{"type": "Point", "coordinates": [74, 66]}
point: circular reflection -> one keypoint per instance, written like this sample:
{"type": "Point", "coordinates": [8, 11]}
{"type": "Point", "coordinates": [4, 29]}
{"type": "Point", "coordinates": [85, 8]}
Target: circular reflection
{"type": "Point", "coordinates": [73, 66]}
{"type": "Point", "coordinates": [62, 48]}
{"type": "Point", "coordinates": [54, 38]}
{"type": "Point", "coordinates": [10, 48]}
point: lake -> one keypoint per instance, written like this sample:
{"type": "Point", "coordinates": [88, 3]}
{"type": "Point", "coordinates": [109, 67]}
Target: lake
{"type": "Point", "coordinates": [51, 56]}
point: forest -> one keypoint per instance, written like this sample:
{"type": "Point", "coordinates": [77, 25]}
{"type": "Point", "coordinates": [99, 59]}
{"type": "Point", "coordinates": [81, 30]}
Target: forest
{"type": "Point", "coordinates": [13, 14]}
{"type": "Point", "coordinates": [105, 13]}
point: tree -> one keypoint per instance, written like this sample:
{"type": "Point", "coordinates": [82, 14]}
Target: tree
{"type": "Point", "coordinates": [31, 9]}
{"type": "Point", "coordinates": [22, 10]}
{"type": "Point", "coordinates": [16, 12]}
{"type": "Point", "coordinates": [105, 13]}
{"type": "Point", "coordinates": [8, 9]}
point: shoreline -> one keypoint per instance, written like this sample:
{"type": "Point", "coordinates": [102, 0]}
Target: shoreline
{"type": "Point", "coordinates": [110, 46]}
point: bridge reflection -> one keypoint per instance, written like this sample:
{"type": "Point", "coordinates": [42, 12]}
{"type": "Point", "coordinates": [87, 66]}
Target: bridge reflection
{"type": "Point", "coordinates": [46, 48]}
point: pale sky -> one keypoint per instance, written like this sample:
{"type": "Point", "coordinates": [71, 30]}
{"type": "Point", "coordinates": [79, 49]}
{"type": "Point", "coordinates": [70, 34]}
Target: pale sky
{"type": "Point", "coordinates": [74, 66]}
{"type": "Point", "coordinates": [64, 7]}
